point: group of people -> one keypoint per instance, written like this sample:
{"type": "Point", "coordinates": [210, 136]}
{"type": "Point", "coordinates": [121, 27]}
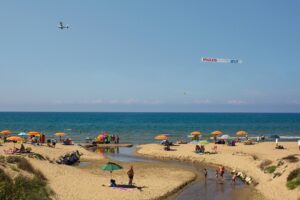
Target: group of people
{"type": "Point", "coordinates": [219, 173]}
{"type": "Point", "coordinates": [108, 139]}
{"type": "Point", "coordinates": [130, 174]}
{"type": "Point", "coordinates": [200, 149]}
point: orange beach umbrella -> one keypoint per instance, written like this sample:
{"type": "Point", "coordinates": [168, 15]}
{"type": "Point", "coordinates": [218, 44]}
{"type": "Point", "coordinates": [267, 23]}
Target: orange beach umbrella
{"type": "Point", "coordinates": [217, 133]}
{"type": "Point", "coordinates": [161, 137]}
{"type": "Point", "coordinates": [241, 133]}
{"type": "Point", "coordinates": [34, 133]}
{"type": "Point", "coordinates": [196, 133]}
{"type": "Point", "coordinates": [14, 138]}
{"type": "Point", "coordinates": [5, 132]}
{"type": "Point", "coordinates": [60, 134]}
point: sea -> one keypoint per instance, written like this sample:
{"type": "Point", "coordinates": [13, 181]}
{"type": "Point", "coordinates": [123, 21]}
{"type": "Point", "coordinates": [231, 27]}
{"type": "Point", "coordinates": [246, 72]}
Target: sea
{"type": "Point", "coordinates": [139, 128]}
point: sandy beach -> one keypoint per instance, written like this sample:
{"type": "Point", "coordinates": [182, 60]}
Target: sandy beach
{"type": "Point", "coordinates": [245, 158]}
{"type": "Point", "coordinates": [70, 182]}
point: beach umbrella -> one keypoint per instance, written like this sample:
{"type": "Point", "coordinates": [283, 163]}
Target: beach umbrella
{"type": "Point", "coordinates": [195, 133]}
{"type": "Point", "coordinates": [34, 133]}
{"type": "Point", "coordinates": [225, 137]}
{"type": "Point", "coordinates": [14, 138]}
{"type": "Point", "coordinates": [60, 135]}
{"type": "Point", "coordinates": [274, 136]}
{"type": "Point", "coordinates": [110, 166]}
{"type": "Point", "coordinates": [241, 133]}
{"type": "Point", "coordinates": [100, 137]}
{"type": "Point", "coordinates": [217, 133]}
{"type": "Point", "coordinates": [203, 142]}
{"type": "Point", "coordinates": [22, 134]}
{"type": "Point", "coordinates": [5, 132]}
{"type": "Point", "coordinates": [161, 137]}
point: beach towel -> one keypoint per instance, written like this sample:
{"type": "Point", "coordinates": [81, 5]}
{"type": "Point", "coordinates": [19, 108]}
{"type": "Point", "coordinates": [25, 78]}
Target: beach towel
{"type": "Point", "coordinates": [123, 189]}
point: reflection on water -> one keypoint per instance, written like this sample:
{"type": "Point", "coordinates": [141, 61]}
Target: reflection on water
{"type": "Point", "coordinates": [123, 154]}
{"type": "Point", "coordinates": [211, 188]}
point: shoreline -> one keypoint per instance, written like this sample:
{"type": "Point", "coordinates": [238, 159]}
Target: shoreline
{"type": "Point", "coordinates": [231, 159]}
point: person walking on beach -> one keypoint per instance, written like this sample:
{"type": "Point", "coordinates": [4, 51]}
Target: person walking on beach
{"type": "Point", "coordinates": [222, 170]}
{"type": "Point", "coordinates": [299, 144]}
{"type": "Point", "coordinates": [217, 173]}
{"type": "Point", "coordinates": [130, 174]}
{"type": "Point", "coordinates": [233, 179]}
{"type": "Point", "coordinates": [205, 173]}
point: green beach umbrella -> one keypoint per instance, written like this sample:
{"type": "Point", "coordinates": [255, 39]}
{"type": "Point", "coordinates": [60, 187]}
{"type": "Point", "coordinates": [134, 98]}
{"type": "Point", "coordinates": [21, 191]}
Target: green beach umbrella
{"type": "Point", "coordinates": [203, 142]}
{"type": "Point", "coordinates": [110, 166]}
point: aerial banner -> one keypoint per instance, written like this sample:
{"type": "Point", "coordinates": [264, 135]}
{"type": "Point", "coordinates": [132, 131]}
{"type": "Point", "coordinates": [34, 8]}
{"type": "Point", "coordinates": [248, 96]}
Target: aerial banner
{"type": "Point", "coordinates": [221, 60]}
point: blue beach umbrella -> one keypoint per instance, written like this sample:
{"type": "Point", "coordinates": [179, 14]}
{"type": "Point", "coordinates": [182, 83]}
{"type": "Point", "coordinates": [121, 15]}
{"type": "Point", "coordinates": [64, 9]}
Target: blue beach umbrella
{"type": "Point", "coordinates": [274, 136]}
{"type": "Point", "coordinates": [22, 134]}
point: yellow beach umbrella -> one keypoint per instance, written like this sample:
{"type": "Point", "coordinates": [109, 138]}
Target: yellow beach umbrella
{"type": "Point", "coordinates": [195, 133]}
{"type": "Point", "coordinates": [161, 137]}
{"type": "Point", "coordinates": [5, 132]}
{"type": "Point", "coordinates": [241, 133]}
{"type": "Point", "coordinates": [60, 134]}
{"type": "Point", "coordinates": [15, 138]}
{"type": "Point", "coordinates": [217, 133]}
{"type": "Point", "coordinates": [34, 133]}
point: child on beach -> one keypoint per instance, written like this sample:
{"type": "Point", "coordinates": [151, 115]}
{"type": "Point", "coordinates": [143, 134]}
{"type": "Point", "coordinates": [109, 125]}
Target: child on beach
{"type": "Point", "coordinates": [217, 173]}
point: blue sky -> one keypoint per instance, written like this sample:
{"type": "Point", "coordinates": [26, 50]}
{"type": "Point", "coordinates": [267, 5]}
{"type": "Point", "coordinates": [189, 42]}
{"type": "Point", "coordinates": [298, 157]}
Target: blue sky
{"type": "Point", "coordinates": [145, 56]}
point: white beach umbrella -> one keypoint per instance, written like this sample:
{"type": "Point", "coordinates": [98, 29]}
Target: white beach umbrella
{"type": "Point", "coordinates": [225, 137]}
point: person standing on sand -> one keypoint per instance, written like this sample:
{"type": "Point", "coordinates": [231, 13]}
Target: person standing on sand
{"type": "Point", "coordinates": [130, 174]}
{"type": "Point", "coordinates": [299, 144]}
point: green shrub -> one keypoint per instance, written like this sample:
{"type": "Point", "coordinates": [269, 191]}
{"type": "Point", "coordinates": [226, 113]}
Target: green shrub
{"type": "Point", "coordinates": [270, 169]}
{"type": "Point", "coordinates": [13, 159]}
{"type": "Point", "coordinates": [2, 159]}
{"type": "Point", "coordinates": [293, 179]}
{"type": "Point", "coordinates": [291, 158]}
{"type": "Point", "coordinates": [23, 188]}
{"type": "Point", "coordinates": [292, 184]}
{"type": "Point", "coordinates": [293, 174]}
{"type": "Point", "coordinates": [26, 166]}
{"type": "Point", "coordinates": [14, 168]}
{"type": "Point", "coordinates": [264, 163]}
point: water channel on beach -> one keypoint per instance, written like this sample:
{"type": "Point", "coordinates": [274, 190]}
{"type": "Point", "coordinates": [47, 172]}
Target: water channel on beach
{"type": "Point", "coordinates": [204, 189]}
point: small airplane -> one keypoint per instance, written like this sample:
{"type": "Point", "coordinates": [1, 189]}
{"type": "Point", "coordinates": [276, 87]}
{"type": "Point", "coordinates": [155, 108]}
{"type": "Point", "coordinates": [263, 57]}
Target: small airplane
{"type": "Point", "coordinates": [61, 26]}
